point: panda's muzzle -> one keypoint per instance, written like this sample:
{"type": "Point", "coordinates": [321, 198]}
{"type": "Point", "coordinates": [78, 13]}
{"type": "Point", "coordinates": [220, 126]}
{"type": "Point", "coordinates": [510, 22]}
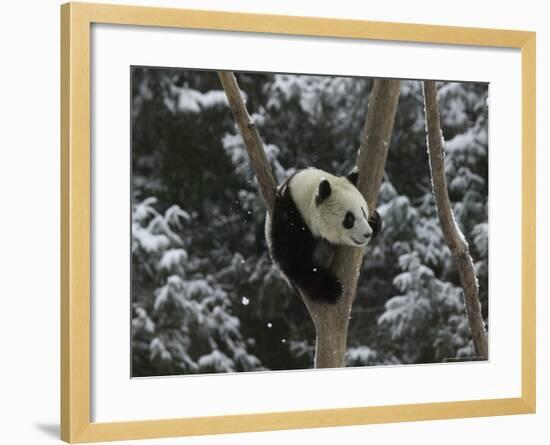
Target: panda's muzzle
{"type": "Point", "coordinates": [360, 243]}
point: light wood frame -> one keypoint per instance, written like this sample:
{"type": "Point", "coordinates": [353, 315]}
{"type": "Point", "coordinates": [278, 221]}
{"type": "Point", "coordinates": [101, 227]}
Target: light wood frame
{"type": "Point", "coordinates": [76, 20]}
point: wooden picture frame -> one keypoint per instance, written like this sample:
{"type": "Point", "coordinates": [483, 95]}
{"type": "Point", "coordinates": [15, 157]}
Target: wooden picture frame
{"type": "Point", "coordinates": [76, 20]}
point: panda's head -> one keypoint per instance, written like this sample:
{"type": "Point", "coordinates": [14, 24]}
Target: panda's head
{"type": "Point", "coordinates": [342, 214]}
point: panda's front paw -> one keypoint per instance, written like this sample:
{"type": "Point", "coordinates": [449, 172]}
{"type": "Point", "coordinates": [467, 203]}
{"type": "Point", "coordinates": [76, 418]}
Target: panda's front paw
{"type": "Point", "coordinates": [323, 254]}
{"type": "Point", "coordinates": [375, 223]}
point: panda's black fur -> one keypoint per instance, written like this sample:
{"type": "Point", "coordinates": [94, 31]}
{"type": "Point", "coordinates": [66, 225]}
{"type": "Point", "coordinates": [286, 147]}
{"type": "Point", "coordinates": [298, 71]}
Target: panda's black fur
{"type": "Point", "coordinates": [292, 247]}
{"type": "Point", "coordinates": [304, 259]}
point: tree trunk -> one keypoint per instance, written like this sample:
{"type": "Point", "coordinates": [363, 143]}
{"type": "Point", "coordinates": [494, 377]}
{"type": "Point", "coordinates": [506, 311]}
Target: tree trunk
{"type": "Point", "coordinates": [330, 345]}
{"type": "Point", "coordinates": [451, 232]}
{"type": "Point", "coordinates": [331, 321]}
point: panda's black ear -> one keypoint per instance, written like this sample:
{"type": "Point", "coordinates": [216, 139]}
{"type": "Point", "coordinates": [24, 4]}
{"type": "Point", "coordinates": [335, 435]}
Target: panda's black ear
{"type": "Point", "coordinates": [353, 176]}
{"type": "Point", "coordinates": [323, 191]}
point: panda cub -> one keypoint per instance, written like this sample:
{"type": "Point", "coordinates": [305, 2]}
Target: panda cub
{"type": "Point", "coordinates": [313, 212]}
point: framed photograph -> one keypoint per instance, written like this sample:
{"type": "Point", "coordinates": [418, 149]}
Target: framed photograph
{"type": "Point", "coordinates": [275, 222]}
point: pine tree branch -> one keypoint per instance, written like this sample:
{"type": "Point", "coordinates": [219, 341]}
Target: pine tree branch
{"type": "Point", "coordinates": [451, 232]}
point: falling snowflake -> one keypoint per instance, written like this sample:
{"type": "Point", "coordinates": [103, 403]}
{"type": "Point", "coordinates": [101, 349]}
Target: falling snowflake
{"type": "Point", "coordinates": [269, 325]}
{"type": "Point", "coordinates": [245, 301]}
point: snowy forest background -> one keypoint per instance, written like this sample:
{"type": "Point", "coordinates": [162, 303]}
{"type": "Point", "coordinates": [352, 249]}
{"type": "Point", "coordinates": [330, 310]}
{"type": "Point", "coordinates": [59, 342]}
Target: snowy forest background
{"type": "Point", "coordinates": [205, 295]}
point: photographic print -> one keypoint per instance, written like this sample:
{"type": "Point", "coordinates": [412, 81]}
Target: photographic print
{"type": "Point", "coordinates": [293, 221]}
{"type": "Point", "coordinates": [300, 221]}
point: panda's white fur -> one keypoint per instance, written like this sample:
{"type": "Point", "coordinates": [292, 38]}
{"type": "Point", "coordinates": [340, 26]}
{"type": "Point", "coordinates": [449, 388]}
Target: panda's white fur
{"type": "Point", "coordinates": [313, 212]}
{"type": "Point", "coordinates": [325, 220]}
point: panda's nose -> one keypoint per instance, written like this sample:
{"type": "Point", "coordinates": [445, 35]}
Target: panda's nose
{"type": "Point", "coordinates": [368, 235]}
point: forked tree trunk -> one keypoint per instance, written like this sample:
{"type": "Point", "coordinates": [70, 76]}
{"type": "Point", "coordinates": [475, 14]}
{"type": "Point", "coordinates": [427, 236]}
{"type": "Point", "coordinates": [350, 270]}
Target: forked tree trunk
{"type": "Point", "coordinates": [451, 232]}
{"type": "Point", "coordinates": [331, 321]}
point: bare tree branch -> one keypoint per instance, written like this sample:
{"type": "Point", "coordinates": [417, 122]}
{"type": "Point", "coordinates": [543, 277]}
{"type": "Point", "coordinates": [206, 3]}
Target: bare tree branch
{"type": "Point", "coordinates": [375, 141]}
{"type": "Point", "coordinates": [451, 232]}
{"type": "Point", "coordinates": [331, 321]}
{"type": "Point", "coordinates": [252, 140]}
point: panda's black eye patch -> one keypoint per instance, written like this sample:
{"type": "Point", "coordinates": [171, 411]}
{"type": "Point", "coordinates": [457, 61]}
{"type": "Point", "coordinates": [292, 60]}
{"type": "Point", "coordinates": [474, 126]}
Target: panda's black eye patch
{"type": "Point", "coordinates": [349, 220]}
